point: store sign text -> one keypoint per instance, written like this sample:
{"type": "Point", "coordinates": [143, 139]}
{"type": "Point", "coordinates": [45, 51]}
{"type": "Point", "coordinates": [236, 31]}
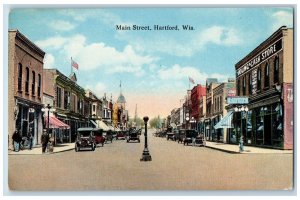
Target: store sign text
{"type": "Point", "coordinates": [265, 54]}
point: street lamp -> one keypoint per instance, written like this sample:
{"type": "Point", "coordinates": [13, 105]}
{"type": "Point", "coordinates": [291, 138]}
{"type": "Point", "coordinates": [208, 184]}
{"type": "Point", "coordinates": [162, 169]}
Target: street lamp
{"type": "Point", "coordinates": [242, 109]}
{"type": "Point", "coordinates": [48, 108]}
{"type": "Point", "coordinates": [146, 155]}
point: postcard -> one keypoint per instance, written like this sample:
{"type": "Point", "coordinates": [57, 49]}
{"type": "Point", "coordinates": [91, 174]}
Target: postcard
{"type": "Point", "coordinates": [150, 98]}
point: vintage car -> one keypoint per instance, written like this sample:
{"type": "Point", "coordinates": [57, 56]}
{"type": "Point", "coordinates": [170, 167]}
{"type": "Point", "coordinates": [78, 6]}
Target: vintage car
{"type": "Point", "coordinates": [175, 134]}
{"type": "Point", "coordinates": [199, 140]}
{"type": "Point", "coordinates": [99, 137]}
{"type": "Point", "coordinates": [85, 139]}
{"type": "Point", "coordinates": [190, 136]}
{"type": "Point", "coordinates": [181, 135]}
{"type": "Point", "coordinates": [121, 135]}
{"type": "Point", "coordinates": [133, 135]}
{"type": "Point", "coordinates": [108, 136]}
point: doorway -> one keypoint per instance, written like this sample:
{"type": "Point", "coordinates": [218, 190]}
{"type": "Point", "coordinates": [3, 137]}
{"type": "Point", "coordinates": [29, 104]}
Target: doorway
{"type": "Point", "coordinates": [267, 130]}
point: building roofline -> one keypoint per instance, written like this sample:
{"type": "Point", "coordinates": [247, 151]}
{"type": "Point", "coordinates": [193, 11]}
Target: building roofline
{"type": "Point", "coordinates": [29, 43]}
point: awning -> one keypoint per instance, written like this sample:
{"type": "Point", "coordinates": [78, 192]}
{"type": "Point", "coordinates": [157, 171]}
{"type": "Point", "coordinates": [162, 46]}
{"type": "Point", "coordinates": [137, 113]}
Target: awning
{"type": "Point", "coordinates": [225, 122]}
{"type": "Point", "coordinates": [111, 128]}
{"type": "Point", "coordinates": [94, 123]}
{"type": "Point", "coordinates": [55, 123]}
{"type": "Point", "coordinates": [102, 125]}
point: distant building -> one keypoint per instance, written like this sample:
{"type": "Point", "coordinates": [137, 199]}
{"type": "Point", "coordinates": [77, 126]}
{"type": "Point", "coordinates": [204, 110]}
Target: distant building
{"type": "Point", "coordinates": [196, 94]}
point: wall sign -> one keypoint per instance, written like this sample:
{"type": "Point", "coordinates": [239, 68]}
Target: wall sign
{"type": "Point", "coordinates": [237, 100]}
{"type": "Point", "coordinates": [264, 55]}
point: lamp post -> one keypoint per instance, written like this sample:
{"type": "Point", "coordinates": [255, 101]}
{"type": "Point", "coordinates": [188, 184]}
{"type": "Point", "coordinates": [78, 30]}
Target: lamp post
{"type": "Point", "coordinates": [146, 155]}
{"type": "Point", "coordinates": [242, 109]}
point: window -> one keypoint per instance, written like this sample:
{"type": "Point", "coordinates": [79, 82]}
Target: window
{"type": "Point", "coordinates": [276, 69]}
{"type": "Point", "coordinates": [27, 80]}
{"type": "Point", "coordinates": [258, 78]}
{"type": "Point", "coordinates": [267, 75]}
{"type": "Point", "coordinates": [19, 77]}
{"type": "Point", "coordinates": [244, 85]}
{"type": "Point", "coordinates": [33, 84]}
{"type": "Point", "coordinates": [39, 85]}
{"type": "Point", "coordinates": [94, 108]}
{"type": "Point", "coordinates": [238, 87]}
{"type": "Point", "coordinates": [66, 99]}
{"type": "Point", "coordinates": [250, 83]}
{"type": "Point", "coordinates": [78, 105]}
{"type": "Point", "coordinates": [58, 97]}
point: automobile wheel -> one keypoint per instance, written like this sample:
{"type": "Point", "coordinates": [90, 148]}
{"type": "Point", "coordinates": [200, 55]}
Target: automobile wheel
{"type": "Point", "coordinates": [102, 144]}
{"type": "Point", "coordinates": [76, 148]}
{"type": "Point", "coordinates": [139, 140]}
{"type": "Point", "coordinates": [127, 141]}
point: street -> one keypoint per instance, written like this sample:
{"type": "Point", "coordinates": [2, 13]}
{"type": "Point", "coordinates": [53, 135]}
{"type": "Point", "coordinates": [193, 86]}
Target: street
{"type": "Point", "coordinates": [117, 166]}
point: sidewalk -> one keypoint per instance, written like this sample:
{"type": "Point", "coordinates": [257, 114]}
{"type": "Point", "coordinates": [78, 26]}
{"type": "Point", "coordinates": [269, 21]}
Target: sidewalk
{"type": "Point", "coordinates": [230, 148]}
{"type": "Point", "coordinates": [38, 150]}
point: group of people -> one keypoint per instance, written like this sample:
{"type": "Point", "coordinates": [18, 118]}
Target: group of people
{"type": "Point", "coordinates": [19, 142]}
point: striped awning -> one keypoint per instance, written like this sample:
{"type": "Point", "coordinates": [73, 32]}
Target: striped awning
{"type": "Point", "coordinates": [102, 125]}
{"type": "Point", "coordinates": [226, 121]}
{"type": "Point", "coordinates": [55, 123]}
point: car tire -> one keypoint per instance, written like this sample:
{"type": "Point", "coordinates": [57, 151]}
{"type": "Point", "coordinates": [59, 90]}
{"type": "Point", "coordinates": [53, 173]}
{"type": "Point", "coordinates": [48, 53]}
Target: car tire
{"type": "Point", "coordinates": [102, 144]}
{"type": "Point", "coordinates": [76, 148]}
{"type": "Point", "coordinates": [139, 140]}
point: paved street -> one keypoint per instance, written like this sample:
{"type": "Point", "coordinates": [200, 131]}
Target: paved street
{"type": "Point", "coordinates": [117, 166]}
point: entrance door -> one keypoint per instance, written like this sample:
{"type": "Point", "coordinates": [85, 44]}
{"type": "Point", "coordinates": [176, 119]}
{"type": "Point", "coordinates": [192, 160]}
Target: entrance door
{"type": "Point", "coordinates": [267, 130]}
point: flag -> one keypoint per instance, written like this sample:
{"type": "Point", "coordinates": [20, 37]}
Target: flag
{"type": "Point", "coordinates": [74, 64]}
{"type": "Point", "coordinates": [191, 80]}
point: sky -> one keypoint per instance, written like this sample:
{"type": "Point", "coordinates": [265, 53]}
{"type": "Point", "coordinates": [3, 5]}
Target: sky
{"type": "Point", "coordinates": [153, 66]}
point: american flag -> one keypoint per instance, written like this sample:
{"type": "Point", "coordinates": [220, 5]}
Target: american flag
{"type": "Point", "coordinates": [191, 80]}
{"type": "Point", "coordinates": [74, 64]}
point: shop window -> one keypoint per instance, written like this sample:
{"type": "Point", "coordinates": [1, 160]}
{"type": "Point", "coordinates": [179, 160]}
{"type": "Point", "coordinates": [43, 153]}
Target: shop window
{"type": "Point", "coordinates": [250, 83]}
{"type": "Point", "coordinates": [27, 81]}
{"type": "Point", "coordinates": [276, 69]}
{"type": "Point", "coordinates": [19, 77]}
{"type": "Point", "coordinates": [258, 78]}
{"type": "Point", "coordinates": [277, 127]}
{"type": "Point", "coordinates": [39, 85]}
{"type": "Point", "coordinates": [259, 126]}
{"type": "Point", "coordinates": [244, 85]}
{"type": "Point", "coordinates": [267, 75]}
{"type": "Point", "coordinates": [33, 84]}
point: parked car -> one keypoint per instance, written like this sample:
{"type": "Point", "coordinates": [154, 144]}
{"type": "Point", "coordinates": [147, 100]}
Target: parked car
{"type": "Point", "coordinates": [85, 139]}
{"type": "Point", "coordinates": [199, 140]}
{"type": "Point", "coordinates": [99, 137]}
{"type": "Point", "coordinates": [121, 135]}
{"type": "Point", "coordinates": [108, 136]}
{"type": "Point", "coordinates": [190, 136]}
{"type": "Point", "coordinates": [181, 135]}
{"type": "Point", "coordinates": [176, 134]}
{"type": "Point", "coordinates": [133, 135]}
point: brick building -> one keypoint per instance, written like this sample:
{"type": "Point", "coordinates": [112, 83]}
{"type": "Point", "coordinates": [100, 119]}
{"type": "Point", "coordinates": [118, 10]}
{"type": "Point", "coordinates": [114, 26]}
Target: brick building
{"type": "Point", "coordinates": [25, 83]}
{"type": "Point", "coordinates": [197, 93]}
{"type": "Point", "coordinates": [266, 76]}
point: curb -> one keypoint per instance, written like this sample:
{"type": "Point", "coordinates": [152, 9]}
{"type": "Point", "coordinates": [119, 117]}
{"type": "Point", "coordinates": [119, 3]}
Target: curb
{"type": "Point", "coordinates": [45, 153]}
{"type": "Point", "coordinates": [223, 150]}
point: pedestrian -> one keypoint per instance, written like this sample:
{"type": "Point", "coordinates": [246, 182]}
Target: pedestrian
{"type": "Point", "coordinates": [16, 141]}
{"type": "Point", "coordinates": [45, 140]}
{"type": "Point", "coordinates": [30, 140]}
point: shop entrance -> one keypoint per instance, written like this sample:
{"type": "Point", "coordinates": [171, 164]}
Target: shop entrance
{"type": "Point", "coordinates": [267, 130]}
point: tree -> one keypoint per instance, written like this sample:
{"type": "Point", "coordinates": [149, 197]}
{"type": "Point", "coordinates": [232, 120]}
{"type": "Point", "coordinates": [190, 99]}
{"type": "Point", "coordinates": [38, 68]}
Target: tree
{"type": "Point", "coordinates": [155, 122]}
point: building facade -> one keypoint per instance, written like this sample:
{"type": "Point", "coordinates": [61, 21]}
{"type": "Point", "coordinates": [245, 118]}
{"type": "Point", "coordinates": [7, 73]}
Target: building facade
{"type": "Point", "coordinates": [221, 92]}
{"type": "Point", "coordinates": [209, 122]}
{"type": "Point", "coordinates": [71, 105]}
{"type": "Point", "coordinates": [25, 87]}
{"type": "Point", "coordinates": [265, 75]}
{"type": "Point", "coordinates": [196, 94]}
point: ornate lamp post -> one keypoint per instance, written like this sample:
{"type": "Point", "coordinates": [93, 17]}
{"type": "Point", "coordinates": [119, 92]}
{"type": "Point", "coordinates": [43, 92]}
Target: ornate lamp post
{"type": "Point", "coordinates": [48, 108]}
{"type": "Point", "coordinates": [242, 109]}
{"type": "Point", "coordinates": [146, 155]}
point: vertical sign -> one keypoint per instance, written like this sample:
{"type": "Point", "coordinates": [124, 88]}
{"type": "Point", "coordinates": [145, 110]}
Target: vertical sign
{"type": "Point", "coordinates": [254, 81]}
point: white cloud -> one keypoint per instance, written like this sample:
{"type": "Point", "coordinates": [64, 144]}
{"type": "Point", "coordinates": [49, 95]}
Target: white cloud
{"type": "Point", "coordinates": [49, 61]}
{"type": "Point", "coordinates": [98, 89]}
{"type": "Point", "coordinates": [60, 25]}
{"type": "Point", "coordinates": [99, 55]}
{"type": "Point", "coordinates": [282, 18]}
{"type": "Point", "coordinates": [177, 72]}
{"type": "Point", "coordinates": [218, 35]}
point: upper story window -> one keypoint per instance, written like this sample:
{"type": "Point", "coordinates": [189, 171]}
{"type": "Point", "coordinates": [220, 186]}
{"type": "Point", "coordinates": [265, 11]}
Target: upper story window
{"type": "Point", "coordinates": [33, 84]}
{"type": "Point", "coordinates": [19, 77]}
{"type": "Point", "coordinates": [58, 97]}
{"type": "Point", "coordinates": [238, 87]}
{"type": "Point", "coordinates": [66, 99]}
{"type": "Point", "coordinates": [39, 85]}
{"type": "Point", "coordinates": [94, 108]}
{"type": "Point", "coordinates": [258, 78]}
{"type": "Point", "coordinates": [250, 83]}
{"type": "Point", "coordinates": [267, 75]}
{"type": "Point", "coordinates": [27, 80]}
{"type": "Point", "coordinates": [244, 85]}
{"type": "Point", "coordinates": [276, 69]}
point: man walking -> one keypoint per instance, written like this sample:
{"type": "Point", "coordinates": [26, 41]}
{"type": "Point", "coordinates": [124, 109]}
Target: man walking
{"type": "Point", "coordinates": [45, 140]}
{"type": "Point", "coordinates": [16, 141]}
